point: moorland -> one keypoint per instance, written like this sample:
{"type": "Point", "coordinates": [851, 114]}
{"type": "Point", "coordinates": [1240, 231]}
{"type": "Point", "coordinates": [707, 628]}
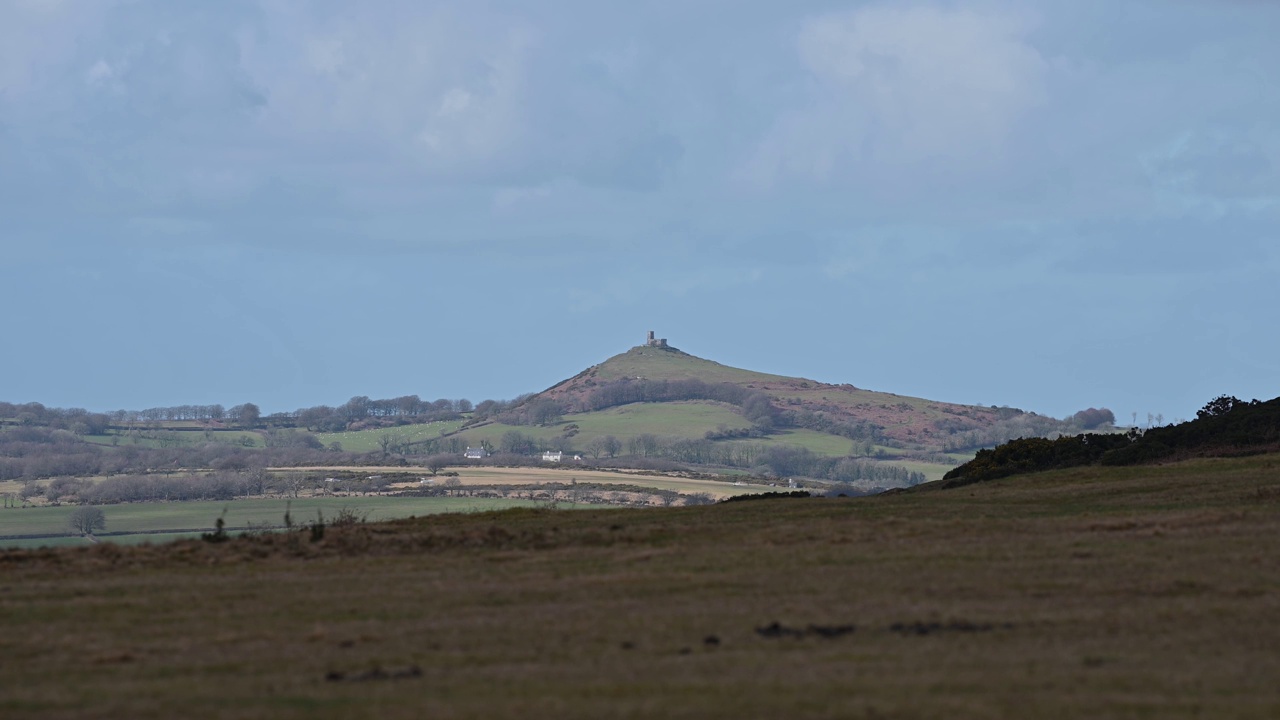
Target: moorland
{"type": "Point", "coordinates": [1145, 591]}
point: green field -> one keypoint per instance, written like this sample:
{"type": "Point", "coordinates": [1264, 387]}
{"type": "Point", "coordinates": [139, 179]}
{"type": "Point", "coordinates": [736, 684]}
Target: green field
{"type": "Point", "coordinates": [76, 541]}
{"type": "Point", "coordinates": [1110, 593]}
{"type": "Point", "coordinates": [931, 471]}
{"type": "Point", "coordinates": [654, 364]}
{"type": "Point", "coordinates": [818, 442]}
{"type": "Point", "coordinates": [690, 420]}
{"type": "Point", "coordinates": [355, 441]}
{"type": "Point", "coordinates": [680, 419]}
{"type": "Point", "coordinates": [153, 438]}
{"type": "Point", "coordinates": [360, 441]}
{"type": "Point", "coordinates": [201, 515]}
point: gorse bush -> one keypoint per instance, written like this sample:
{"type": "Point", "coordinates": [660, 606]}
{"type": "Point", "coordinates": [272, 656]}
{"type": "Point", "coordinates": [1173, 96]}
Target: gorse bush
{"type": "Point", "coordinates": [1226, 426]}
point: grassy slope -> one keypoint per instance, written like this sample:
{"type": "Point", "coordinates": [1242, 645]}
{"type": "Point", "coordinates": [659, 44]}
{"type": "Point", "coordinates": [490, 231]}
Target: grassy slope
{"type": "Point", "coordinates": [682, 419]}
{"type": "Point", "coordinates": [1138, 592]}
{"type": "Point", "coordinates": [908, 419]}
{"type": "Point", "coordinates": [183, 439]}
{"type": "Point", "coordinates": [654, 364]}
{"type": "Point", "coordinates": [367, 440]}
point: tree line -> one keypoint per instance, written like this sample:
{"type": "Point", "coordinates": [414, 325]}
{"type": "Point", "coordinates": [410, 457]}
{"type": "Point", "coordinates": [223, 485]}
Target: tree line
{"type": "Point", "coordinates": [320, 418]}
{"type": "Point", "coordinates": [28, 453]}
{"type": "Point", "coordinates": [1224, 426]}
{"type": "Point", "coordinates": [965, 434]}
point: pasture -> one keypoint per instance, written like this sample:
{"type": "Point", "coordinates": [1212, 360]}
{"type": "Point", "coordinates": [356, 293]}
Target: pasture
{"type": "Point", "coordinates": [1135, 592]}
{"type": "Point", "coordinates": [361, 441]}
{"type": "Point", "coordinates": [689, 420]}
{"type": "Point", "coordinates": [167, 437]}
{"type": "Point", "coordinates": [142, 520]}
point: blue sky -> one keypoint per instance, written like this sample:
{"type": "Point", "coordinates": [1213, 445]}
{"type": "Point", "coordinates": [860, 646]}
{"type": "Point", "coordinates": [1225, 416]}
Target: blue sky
{"type": "Point", "coordinates": [1045, 205]}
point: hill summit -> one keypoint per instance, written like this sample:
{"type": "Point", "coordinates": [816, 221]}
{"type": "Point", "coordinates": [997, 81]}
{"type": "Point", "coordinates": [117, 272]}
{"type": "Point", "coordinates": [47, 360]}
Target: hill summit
{"type": "Point", "coordinates": [657, 372]}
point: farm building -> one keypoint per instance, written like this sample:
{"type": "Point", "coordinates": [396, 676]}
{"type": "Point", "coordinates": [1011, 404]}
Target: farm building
{"type": "Point", "coordinates": [552, 456]}
{"type": "Point", "coordinates": [475, 453]}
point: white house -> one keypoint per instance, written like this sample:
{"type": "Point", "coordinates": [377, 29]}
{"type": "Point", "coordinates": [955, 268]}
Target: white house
{"type": "Point", "coordinates": [552, 456]}
{"type": "Point", "coordinates": [475, 453]}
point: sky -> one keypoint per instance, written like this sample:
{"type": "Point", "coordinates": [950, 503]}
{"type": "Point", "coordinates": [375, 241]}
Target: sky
{"type": "Point", "coordinates": [1046, 205]}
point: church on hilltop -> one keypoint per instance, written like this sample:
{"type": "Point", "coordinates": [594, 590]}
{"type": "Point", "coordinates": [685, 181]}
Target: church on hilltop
{"type": "Point", "coordinates": [655, 342]}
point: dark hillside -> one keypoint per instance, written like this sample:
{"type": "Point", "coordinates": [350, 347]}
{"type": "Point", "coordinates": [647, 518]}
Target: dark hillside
{"type": "Point", "coordinates": [1224, 427]}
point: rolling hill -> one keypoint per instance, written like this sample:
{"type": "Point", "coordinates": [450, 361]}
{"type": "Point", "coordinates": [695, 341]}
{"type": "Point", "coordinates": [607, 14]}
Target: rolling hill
{"type": "Point", "coordinates": [670, 395]}
{"type": "Point", "coordinates": [906, 422]}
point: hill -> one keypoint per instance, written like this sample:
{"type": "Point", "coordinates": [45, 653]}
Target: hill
{"type": "Point", "coordinates": [696, 410]}
{"type": "Point", "coordinates": [900, 421]}
{"type": "Point", "coordinates": [644, 372]}
{"type": "Point", "coordinates": [1089, 592]}
{"type": "Point", "coordinates": [653, 407]}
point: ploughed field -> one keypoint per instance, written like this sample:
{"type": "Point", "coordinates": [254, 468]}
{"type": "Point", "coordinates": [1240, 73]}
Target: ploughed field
{"type": "Point", "coordinates": [1119, 592]}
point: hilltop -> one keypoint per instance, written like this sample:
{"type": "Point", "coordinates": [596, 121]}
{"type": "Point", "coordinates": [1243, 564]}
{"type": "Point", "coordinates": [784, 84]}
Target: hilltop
{"type": "Point", "coordinates": [843, 410]}
{"type": "Point", "coordinates": [656, 406]}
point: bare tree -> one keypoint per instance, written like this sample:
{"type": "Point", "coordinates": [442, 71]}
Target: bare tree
{"type": "Point", "coordinates": [436, 463]}
{"type": "Point", "coordinates": [87, 518]}
{"type": "Point", "coordinates": [247, 414]}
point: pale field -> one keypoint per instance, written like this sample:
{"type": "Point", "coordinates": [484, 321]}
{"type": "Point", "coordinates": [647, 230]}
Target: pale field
{"type": "Point", "coordinates": [536, 476]}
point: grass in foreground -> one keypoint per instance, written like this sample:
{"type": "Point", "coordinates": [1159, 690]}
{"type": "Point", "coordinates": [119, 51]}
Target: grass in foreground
{"type": "Point", "coordinates": [1139, 592]}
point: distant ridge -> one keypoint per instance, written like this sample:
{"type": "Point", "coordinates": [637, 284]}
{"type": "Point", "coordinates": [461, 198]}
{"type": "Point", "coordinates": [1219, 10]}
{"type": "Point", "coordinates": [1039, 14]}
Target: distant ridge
{"type": "Point", "coordinates": [654, 370]}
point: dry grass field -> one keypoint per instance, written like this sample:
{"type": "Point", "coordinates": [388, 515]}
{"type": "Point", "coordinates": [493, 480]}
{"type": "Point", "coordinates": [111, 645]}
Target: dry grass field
{"type": "Point", "coordinates": [1124, 593]}
{"type": "Point", "coordinates": [488, 476]}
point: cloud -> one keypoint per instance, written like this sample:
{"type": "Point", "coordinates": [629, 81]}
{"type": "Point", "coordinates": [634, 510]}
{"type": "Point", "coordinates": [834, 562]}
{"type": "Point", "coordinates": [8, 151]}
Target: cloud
{"type": "Point", "coordinates": [1221, 163]}
{"type": "Point", "coordinates": [905, 92]}
{"type": "Point", "coordinates": [431, 125]}
{"type": "Point", "coordinates": [145, 109]}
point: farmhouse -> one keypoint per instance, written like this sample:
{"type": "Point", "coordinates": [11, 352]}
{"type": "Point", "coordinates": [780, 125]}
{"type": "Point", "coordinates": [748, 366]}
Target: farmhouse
{"type": "Point", "coordinates": [552, 456]}
{"type": "Point", "coordinates": [475, 453]}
